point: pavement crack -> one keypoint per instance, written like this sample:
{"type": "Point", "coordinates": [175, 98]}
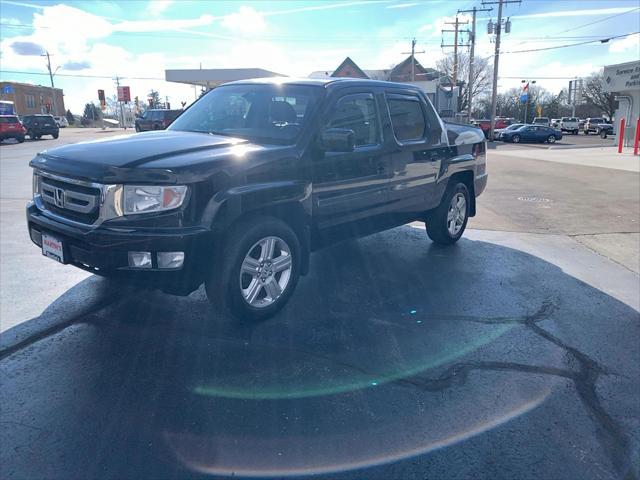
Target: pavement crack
{"type": "Point", "coordinates": [609, 433]}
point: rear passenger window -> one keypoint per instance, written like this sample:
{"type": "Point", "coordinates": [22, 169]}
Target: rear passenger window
{"type": "Point", "coordinates": [407, 119]}
{"type": "Point", "coordinates": [358, 113]}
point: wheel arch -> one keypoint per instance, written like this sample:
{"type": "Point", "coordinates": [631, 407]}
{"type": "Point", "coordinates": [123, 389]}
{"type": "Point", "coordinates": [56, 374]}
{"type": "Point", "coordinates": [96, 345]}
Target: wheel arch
{"type": "Point", "coordinates": [238, 209]}
{"type": "Point", "coordinates": [466, 177]}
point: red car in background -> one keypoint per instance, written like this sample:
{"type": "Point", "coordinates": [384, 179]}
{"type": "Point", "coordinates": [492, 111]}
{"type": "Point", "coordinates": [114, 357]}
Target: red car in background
{"type": "Point", "coordinates": [485, 125]}
{"type": "Point", "coordinates": [11, 127]}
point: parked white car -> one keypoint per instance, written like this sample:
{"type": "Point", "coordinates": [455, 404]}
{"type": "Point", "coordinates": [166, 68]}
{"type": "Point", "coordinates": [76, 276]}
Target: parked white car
{"type": "Point", "coordinates": [61, 121]}
{"type": "Point", "coordinates": [570, 124]}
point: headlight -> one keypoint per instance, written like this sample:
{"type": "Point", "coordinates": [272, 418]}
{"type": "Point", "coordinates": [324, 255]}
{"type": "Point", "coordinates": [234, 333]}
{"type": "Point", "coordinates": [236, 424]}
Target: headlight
{"type": "Point", "coordinates": [150, 198]}
{"type": "Point", "coordinates": [35, 185]}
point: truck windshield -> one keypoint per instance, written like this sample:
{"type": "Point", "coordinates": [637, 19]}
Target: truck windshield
{"type": "Point", "coordinates": [261, 113]}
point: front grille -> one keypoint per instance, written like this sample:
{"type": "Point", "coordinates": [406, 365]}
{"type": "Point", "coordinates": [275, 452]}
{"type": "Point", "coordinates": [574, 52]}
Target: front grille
{"type": "Point", "coordinates": [80, 203]}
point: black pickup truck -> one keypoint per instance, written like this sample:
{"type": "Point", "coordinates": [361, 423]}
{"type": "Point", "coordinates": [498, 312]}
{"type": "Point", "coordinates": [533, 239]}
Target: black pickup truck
{"type": "Point", "coordinates": [249, 181]}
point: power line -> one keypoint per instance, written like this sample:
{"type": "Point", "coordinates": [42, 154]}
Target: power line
{"type": "Point", "coordinates": [599, 20]}
{"type": "Point", "coordinates": [602, 40]}
{"type": "Point", "coordinates": [78, 75]}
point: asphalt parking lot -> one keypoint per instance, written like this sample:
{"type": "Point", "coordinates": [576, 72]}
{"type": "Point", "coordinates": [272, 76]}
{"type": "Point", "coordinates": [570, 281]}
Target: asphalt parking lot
{"type": "Point", "coordinates": [514, 354]}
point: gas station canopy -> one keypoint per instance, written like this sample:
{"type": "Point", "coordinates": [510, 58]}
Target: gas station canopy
{"type": "Point", "coordinates": [209, 78]}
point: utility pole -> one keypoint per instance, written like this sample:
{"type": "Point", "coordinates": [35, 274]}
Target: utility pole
{"type": "Point", "coordinates": [496, 57]}
{"type": "Point", "coordinates": [472, 42]}
{"type": "Point", "coordinates": [53, 92]}
{"type": "Point", "coordinates": [119, 107]}
{"type": "Point", "coordinates": [413, 59]}
{"type": "Point", "coordinates": [456, 25]}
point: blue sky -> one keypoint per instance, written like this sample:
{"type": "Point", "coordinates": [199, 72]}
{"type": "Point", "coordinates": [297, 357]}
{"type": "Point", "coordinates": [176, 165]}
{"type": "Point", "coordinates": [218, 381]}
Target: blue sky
{"type": "Point", "coordinates": [142, 38]}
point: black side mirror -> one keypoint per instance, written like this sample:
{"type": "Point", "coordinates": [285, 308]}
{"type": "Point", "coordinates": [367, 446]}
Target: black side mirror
{"type": "Point", "coordinates": [337, 140]}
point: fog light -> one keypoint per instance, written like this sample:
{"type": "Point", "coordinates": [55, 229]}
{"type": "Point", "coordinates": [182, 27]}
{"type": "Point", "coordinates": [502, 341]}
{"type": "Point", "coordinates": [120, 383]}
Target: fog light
{"type": "Point", "coordinates": [140, 259]}
{"type": "Point", "coordinates": [36, 236]}
{"type": "Point", "coordinates": [170, 259]}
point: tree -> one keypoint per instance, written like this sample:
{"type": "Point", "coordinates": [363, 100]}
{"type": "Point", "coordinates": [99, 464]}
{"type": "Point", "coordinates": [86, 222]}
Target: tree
{"type": "Point", "coordinates": [70, 118]}
{"type": "Point", "coordinates": [482, 75]}
{"type": "Point", "coordinates": [595, 95]}
{"type": "Point", "coordinates": [91, 113]}
{"type": "Point", "coordinates": [154, 99]}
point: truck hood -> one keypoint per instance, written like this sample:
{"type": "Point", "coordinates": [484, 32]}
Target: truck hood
{"type": "Point", "coordinates": [135, 150]}
{"type": "Point", "coordinates": [160, 155]}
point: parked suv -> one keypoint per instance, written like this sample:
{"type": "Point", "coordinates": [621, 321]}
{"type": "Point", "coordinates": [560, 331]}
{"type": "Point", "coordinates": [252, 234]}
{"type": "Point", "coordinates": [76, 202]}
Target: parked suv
{"type": "Point", "coordinates": [570, 124]}
{"type": "Point", "coordinates": [250, 180]}
{"type": "Point", "coordinates": [61, 121]}
{"type": "Point", "coordinates": [39, 125]}
{"type": "Point", "coordinates": [156, 119]}
{"type": "Point", "coordinates": [10, 127]}
{"type": "Point", "coordinates": [597, 125]}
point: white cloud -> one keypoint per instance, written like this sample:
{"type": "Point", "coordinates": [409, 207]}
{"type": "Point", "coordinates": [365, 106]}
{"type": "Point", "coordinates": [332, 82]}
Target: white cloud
{"type": "Point", "coordinates": [158, 7]}
{"type": "Point", "coordinates": [632, 43]}
{"type": "Point", "coordinates": [11, 21]}
{"type": "Point", "coordinates": [402, 5]}
{"type": "Point", "coordinates": [425, 28]}
{"type": "Point", "coordinates": [245, 20]}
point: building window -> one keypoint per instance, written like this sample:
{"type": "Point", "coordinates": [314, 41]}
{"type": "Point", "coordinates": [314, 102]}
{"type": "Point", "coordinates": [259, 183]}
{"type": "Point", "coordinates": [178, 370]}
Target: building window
{"type": "Point", "coordinates": [30, 100]}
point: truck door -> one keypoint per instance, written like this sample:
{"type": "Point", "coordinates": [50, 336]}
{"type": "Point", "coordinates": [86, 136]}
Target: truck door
{"type": "Point", "coordinates": [420, 148]}
{"type": "Point", "coordinates": [349, 186]}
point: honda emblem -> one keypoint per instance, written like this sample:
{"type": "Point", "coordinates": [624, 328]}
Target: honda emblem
{"type": "Point", "coordinates": [59, 197]}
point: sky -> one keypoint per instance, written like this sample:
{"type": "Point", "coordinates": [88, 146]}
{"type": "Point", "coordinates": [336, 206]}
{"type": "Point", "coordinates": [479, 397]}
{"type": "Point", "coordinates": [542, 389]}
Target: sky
{"type": "Point", "coordinates": [138, 39]}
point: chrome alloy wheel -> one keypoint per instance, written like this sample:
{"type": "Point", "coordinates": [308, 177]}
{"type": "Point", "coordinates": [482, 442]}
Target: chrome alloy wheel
{"type": "Point", "coordinates": [265, 271]}
{"type": "Point", "coordinates": [457, 214]}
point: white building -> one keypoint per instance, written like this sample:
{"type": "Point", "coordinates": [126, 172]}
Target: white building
{"type": "Point", "coordinates": [623, 79]}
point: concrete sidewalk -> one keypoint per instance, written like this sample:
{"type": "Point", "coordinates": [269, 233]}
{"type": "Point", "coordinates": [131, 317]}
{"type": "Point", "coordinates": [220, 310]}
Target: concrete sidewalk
{"type": "Point", "coordinates": [603, 157]}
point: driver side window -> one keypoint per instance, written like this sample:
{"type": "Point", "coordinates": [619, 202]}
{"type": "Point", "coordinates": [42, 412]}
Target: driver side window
{"type": "Point", "coordinates": [358, 113]}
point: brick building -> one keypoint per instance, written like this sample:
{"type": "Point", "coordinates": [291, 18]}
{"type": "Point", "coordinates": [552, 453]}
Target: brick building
{"type": "Point", "coordinates": [28, 98]}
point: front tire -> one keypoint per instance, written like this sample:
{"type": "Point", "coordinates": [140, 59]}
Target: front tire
{"type": "Point", "coordinates": [515, 139]}
{"type": "Point", "coordinates": [20, 139]}
{"type": "Point", "coordinates": [551, 139]}
{"type": "Point", "coordinates": [257, 270]}
{"type": "Point", "coordinates": [446, 224]}
{"type": "Point", "coordinates": [55, 135]}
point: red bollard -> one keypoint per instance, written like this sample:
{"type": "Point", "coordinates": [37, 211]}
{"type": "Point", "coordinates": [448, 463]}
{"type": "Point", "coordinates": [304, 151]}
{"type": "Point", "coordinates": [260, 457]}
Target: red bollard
{"type": "Point", "coordinates": [620, 135]}
{"type": "Point", "coordinates": [635, 143]}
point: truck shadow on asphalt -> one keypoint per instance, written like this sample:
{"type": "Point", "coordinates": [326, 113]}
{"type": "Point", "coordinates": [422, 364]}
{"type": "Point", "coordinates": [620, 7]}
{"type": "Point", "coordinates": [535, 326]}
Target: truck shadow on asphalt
{"type": "Point", "coordinates": [395, 358]}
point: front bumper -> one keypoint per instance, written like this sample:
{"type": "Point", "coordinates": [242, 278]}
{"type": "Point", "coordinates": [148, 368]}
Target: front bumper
{"type": "Point", "coordinates": [104, 250]}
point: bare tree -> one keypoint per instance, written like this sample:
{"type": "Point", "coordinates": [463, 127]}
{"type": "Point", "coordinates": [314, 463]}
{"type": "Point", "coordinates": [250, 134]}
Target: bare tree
{"type": "Point", "coordinates": [481, 77]}
{"type": "Point", "coordinates": [595, 95]}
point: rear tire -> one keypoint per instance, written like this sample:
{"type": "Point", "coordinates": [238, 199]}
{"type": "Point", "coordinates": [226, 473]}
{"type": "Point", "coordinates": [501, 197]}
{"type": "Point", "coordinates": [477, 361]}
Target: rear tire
{"type": "Point", "coordinates": [586, 132]}
{"type": "Point", "coordinates": [247, 281]}
{"type": "Point", "coordinates": [551, 139]}
{"type": "Point", "coordinates": [20, 139]}
{"type": "Point", "coordinates": [55, 135]}
{"type": "Point", "coordinates": [446, 224]}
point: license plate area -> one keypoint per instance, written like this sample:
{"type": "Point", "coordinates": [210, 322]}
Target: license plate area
{"type": "Point", "coordinates": [52, 247]}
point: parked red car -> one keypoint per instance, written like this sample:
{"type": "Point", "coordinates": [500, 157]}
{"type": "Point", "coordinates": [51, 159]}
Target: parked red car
{"type": "Point", "coordinates": [485, 125]}
{"type": "Point", "coordinates": [11, 127]}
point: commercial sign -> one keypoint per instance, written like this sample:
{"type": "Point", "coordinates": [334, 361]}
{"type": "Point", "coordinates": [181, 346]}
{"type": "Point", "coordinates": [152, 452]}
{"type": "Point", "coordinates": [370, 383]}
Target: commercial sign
{"type": "Point", "coordinates": [622, 77]}
{"type": "Point", "coordinates": [124, 94]}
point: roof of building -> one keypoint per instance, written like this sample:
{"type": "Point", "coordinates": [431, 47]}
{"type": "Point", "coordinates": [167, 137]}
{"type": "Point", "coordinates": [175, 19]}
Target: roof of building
{"type": "Point", "coordinates": [215, 76]}
{"type": "Point", "coordinates": [24, 84]}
